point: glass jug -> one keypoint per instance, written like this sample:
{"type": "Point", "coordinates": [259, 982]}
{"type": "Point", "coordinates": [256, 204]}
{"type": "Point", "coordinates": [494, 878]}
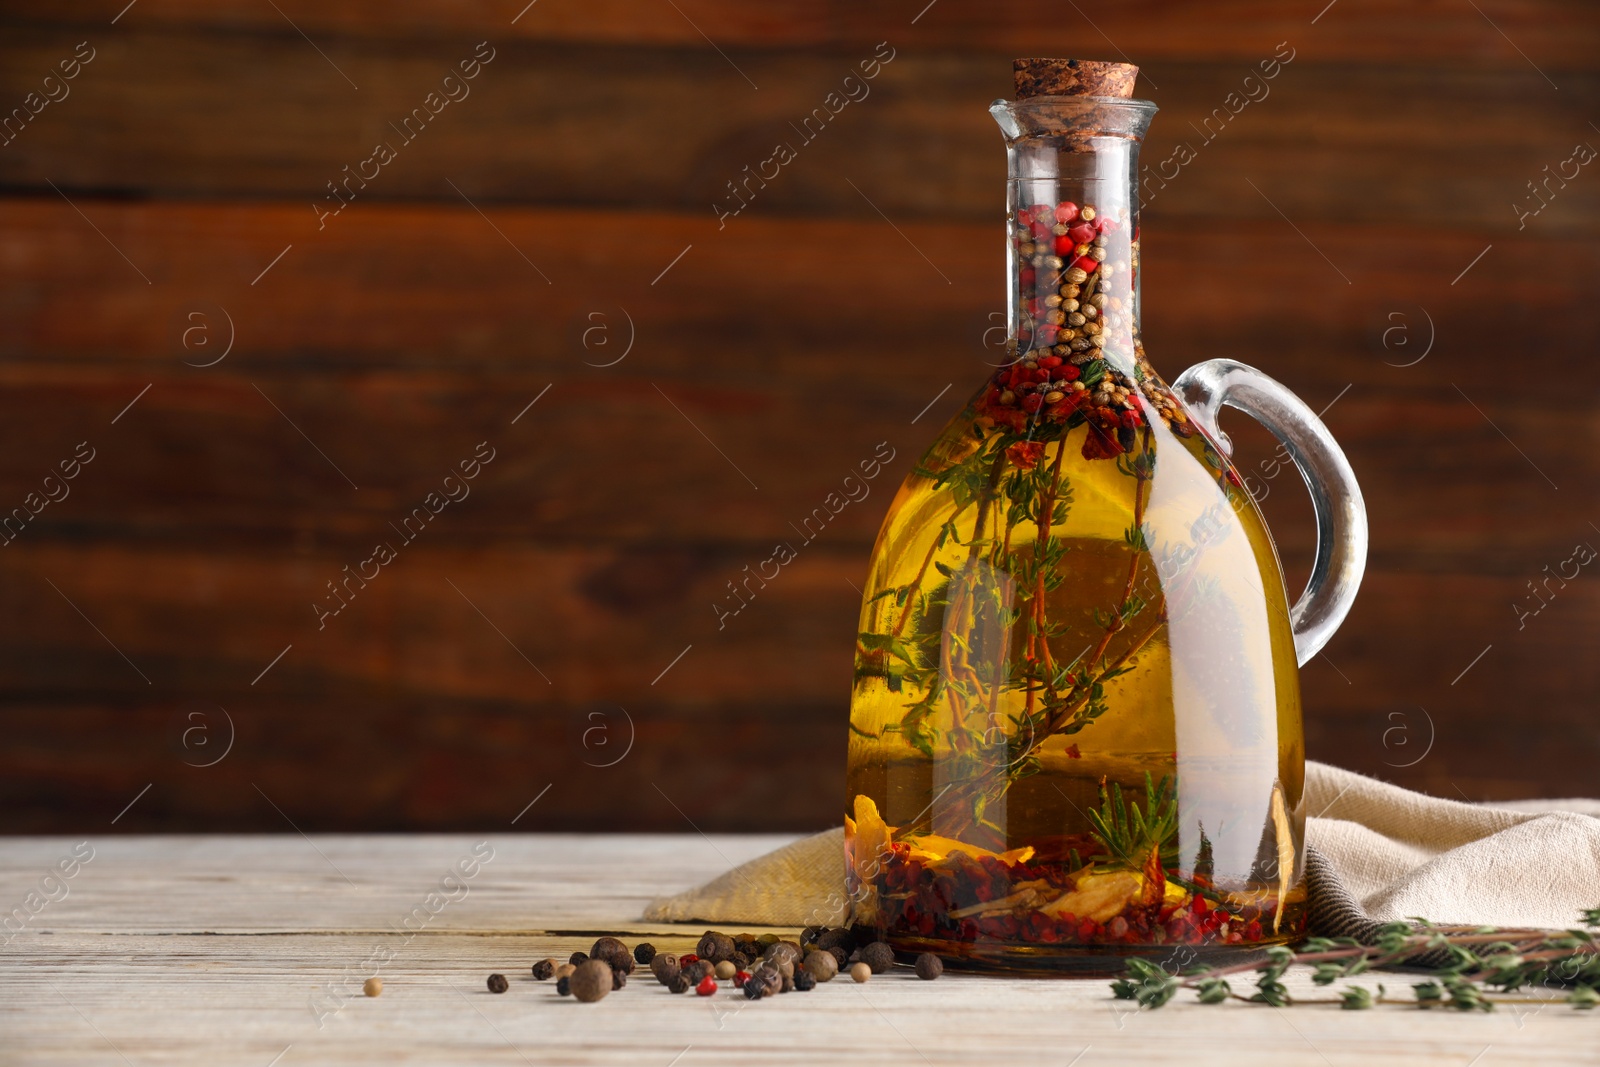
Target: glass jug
{"type": "Point", "coordinates": [1075, 721]}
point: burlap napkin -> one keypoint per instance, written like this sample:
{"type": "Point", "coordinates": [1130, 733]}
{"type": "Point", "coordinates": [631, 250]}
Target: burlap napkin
{"type": "Point", "coordinates": [1375, 853]}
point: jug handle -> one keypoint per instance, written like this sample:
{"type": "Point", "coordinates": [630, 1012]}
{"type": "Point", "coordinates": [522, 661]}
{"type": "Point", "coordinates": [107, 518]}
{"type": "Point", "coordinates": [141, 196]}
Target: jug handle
{"type": "Point", "coordinates": [1341, 557]}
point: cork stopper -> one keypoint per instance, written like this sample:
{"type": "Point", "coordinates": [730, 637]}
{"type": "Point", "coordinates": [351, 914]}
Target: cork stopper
{"type": "Point", "coordinates": [1073, 77]}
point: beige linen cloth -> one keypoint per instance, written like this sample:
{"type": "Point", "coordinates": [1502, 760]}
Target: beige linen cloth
{"type": "Point", "coordinates": [1375, 853]}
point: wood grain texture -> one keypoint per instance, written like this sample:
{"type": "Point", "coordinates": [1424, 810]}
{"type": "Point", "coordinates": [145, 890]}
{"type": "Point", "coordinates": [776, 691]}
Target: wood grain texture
{"type": "Point", "coordinates": [1560, 33]}
{"type": "Point", "coordinates": [1369, 200]}
{"type": "Point", "coordinates": [214, 949]}
{"type": "Point", "coordinates": [266, 117]}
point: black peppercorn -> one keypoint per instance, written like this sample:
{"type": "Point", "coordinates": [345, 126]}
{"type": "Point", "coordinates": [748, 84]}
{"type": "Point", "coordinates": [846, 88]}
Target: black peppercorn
{"type": "Point", "coordinates": [698, 970]}
{"type": "Point", "coordinates": [808, 936]}
{"type": "Point", "coordinates": [544, 969]}
{"type": "Point", "coordinates": [767, 981]}
{"type": "Point", "coordinates": [804, 980]}
{"type": "Point", "coordinates": [839, 939]}
{"type": "Point", "coordinates": [741, 960]}
{"type": "Point", "coordinates": [613, 952]}
{"type": "Point", "coordinates": [840, 956]}
{"type": "Point", "coordinates": [679, 983]}
{"type": "Point", "coordinates": [878, 956]}
{"type": "Point", "coordinates": [747, 945]}
{"type": "Point", "coordinates": [644, 952]}
{"type": "Point", "coordinates": [577, 958]}
{"type": "Point", "coordinates": [618, 979]}
{"type": "Point", "coordinates": [929, 966]}
{"type": "Point", "coordinates": [564, 986]}
{"type": "Point", "coordinates": [664, 966]}
{"type": "Point", "coordinates": [498, 983]}
{"type": "Point", "coordinates": [714, 946]}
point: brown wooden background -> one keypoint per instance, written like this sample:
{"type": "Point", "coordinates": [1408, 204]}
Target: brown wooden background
{"type": "Point", "coordinates": [416, 325]}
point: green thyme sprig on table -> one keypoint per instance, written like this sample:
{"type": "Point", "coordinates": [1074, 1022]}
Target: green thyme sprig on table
{"type": "Point", "coordinates": [1481, 965]}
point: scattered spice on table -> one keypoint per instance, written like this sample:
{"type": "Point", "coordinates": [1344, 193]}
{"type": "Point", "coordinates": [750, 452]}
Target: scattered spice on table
{"type": "Point", "coordinates": [878, 956]}
{"type": "Point", "coordinates": [592, 980]}
{"type": "Point", "coordinates": [665, 967]}
{"type": "Point", "coordinates": [860, 972]}
{"type": "Point", "coordinates": [372, 987]}
{"type": "Point", "coordinates": [613, 952]}
{"type": "Point", "coordinates": [498, 984]}
{"type": "Point", "coordinates": [544, 969]}
{"type": "Point", "coordinates": [929, 966]}
{"type": "Point", "coordinates": [822, 966]}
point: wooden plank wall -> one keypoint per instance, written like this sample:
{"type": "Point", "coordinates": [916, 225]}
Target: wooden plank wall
{"type": "Point", "coordinates": [1353, 230]}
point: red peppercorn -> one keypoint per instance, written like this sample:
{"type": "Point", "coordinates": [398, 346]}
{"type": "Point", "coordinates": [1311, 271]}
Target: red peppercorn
{"type": "Point", "coordinates": [1032, 403]}
{"type": "Point", "coordinates": [1081, 234]}
{"type": "Point", "coordinates": [1071, 373]}
{"type": "Point", "coordinates": [1064, 245]}
{"type": "Point", "coordinates": [1026, 276]}
{"type": "Point", "coordinates": [1040, 212]}
{"type": "Point", "coordinates": [1087, 264]}
{"type": "Point", "coordinates": [1050, 361]}
{"type": "Point", "coordinates": [1047, 335]}
{"type": "Point", "coordinates": [739, 979]}
{"type": "Point", "coordinates": [687, 958]}
{"type": "Point", "coordinates": [1066, 211]}
{"type": "Point", "coordinates": [707, 986]}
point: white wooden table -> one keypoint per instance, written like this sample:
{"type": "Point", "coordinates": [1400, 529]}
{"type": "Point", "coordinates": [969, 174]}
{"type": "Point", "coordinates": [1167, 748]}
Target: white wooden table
{"type": "Point", "coordinates": [252, 950]}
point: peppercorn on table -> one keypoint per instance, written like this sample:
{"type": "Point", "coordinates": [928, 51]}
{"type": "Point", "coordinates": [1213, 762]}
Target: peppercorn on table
{"type": "Point", "coordinates": [255, 951]}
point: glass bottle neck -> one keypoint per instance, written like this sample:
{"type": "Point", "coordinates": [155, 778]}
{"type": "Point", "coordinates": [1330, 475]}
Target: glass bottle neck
{"type": "Point", "coordinates": [1072, 200]}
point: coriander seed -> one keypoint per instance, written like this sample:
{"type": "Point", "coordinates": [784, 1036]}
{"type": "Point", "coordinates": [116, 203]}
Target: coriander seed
{"type": "Point", "coordinates": [372, 987]}
{"type": "Point", "coordinates": [725, 970]}
{"type": "Point", "coordinates": [860, 972]}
